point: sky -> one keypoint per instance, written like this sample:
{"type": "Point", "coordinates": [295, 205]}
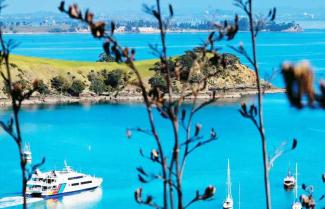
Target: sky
{"type": "Point", "coordinates": [182, 6]}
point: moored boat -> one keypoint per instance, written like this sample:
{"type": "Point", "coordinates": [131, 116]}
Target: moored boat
{"type": "Point", "coordinates": [289, 181]}
{"type": "Point", "coordinates": [57, 183]}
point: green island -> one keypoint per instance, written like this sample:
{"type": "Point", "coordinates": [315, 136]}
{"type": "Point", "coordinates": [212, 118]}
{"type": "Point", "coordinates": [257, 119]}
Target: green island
{"type": "Point", "coordinates": [92, 82]}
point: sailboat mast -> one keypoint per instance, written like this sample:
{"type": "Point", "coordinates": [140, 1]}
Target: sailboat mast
{"type": "Point", "coordinates": [296, 188]}
{"type": "Point", "coordinates": [229, 180]}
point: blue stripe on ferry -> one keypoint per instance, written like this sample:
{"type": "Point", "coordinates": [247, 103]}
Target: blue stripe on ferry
{"type": "Point", "coordinates": [62, 186]}
{"type": "Point", "coordinates": [68, 193]}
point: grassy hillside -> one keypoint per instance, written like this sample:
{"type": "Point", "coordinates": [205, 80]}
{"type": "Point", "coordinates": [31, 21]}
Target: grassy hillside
{"type": "Point", "coordinates": [46, 69]}
{"type": "Point", "coordinates": [231, 76]}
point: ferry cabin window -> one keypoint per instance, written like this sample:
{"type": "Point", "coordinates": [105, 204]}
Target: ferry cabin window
{"type": "Point", "coordinates": [86, 182]}
{"type": "Point", "coordinates": [50, 181]}
{"type": "Point", "coordinates": [75, 184]}
{"type": "Point", "coordinates": [75, 177]}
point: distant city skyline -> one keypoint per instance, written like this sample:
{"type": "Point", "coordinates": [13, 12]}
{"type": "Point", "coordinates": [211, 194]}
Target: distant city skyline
{"type": "Point", "coordinates": [181, 6]}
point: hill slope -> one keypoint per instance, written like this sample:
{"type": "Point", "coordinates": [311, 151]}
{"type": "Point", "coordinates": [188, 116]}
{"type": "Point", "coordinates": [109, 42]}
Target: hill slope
{"type": "Point", "coordinates": [234, 79]}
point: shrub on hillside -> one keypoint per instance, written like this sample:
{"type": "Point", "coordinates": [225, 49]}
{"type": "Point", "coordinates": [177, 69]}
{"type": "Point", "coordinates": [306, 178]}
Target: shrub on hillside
{"type": "Point", "coordinates": [60, 84]}
{"type": "Point", "coordinates": [76, 88]}
{"type": "Point", "coordinates": [22, 83]}
{"type": "Point", "coordinates": [157, 81]}
{"type": "Point", "coordinates": [116, 79]}
{"type": "Point", "coordinates": [42, 88]}
{"type": "Point", "coordinates": [97, 84]}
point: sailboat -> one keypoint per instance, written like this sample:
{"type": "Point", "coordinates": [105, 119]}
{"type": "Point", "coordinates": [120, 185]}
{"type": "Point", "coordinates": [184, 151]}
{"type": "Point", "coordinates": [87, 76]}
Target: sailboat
{"type": "Point", "coordinates": [289, 181]}
{"type": "Point", "coordinates": [296, 204]}
{"type": "Point", "coordinates": [27, 154]}
{"type": "Point", "coordinates": [229, 202]}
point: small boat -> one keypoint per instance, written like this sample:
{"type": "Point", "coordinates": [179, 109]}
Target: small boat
{"type": "Point", "coordinates": [296, 204]}
{"type": "Point", "coordinates": [308, 201]}
{"type": "Point", "coordinates": [289, 181]}
{"type": "Point", "coordinates": [229, 202]}
{"type": "Point", "coordinates": [27, 154]}
{"type": "Point", "coordinates": [57, 183]}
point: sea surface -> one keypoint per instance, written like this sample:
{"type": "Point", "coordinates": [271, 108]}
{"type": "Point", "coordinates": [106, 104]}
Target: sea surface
{"type": "Point", "coordinates": [92, 138]}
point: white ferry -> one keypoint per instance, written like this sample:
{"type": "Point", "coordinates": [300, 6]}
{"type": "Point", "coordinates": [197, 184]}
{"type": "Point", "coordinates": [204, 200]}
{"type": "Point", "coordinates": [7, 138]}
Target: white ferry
{"type": "Point", "coordinates": [57, 183]}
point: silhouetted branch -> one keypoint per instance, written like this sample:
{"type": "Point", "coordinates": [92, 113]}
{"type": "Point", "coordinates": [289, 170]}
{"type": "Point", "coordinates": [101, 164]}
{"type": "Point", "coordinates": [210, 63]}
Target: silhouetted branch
{"type": "Point", "coordinates": [282, 149]}
{"type": "Point", "coordinates": [148, 201]}
{"type": "Point", "coordinates": [207, 195]}
{"type": "Point", "coordinates": [168, 107]}
{"type": "Point", "coordinates": [199, 144]}
{"type": "Point", "coordinates": [255, 114]}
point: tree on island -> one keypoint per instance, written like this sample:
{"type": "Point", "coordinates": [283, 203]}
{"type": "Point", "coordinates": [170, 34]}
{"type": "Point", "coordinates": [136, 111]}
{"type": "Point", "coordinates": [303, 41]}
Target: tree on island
{"type": "Point", "coordinates": [97, 84]}
{"type": "Point", "coordinates": [60, 84]}
{"type": "Point", "coordinates": [76, 88]}
{"type": "Point", "coordinates": [43, 89]}
{"type": "Point", "coordinates": [116, 79]}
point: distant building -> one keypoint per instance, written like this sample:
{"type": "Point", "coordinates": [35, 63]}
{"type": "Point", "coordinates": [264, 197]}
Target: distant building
{"type": "Point", "coordinates": [120, 29]}
{"type": "Point", "coordinates": [148, 30]}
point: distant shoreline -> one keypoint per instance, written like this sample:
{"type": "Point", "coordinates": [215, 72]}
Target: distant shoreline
{"type": "Point", "coordinates": [130, 99]}
{"type": "Point", "coordinates": [181, 31]}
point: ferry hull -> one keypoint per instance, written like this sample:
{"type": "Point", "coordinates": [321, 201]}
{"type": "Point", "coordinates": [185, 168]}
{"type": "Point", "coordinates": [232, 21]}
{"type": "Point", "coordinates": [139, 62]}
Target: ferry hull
{"type": "Point", "coordinates": [289, 187]}
{"type": "Point", "coordinates": [58, 183]}
{"type": "Point", "coordinates": [61, 194]}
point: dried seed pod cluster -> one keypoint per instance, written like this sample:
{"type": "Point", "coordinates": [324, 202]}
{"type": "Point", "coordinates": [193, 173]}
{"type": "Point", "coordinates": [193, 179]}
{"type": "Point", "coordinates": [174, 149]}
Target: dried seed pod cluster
{"type": "Point", "coordinates": [308, 201]}
{"type": "Point", "coordinates": [97, 28]}
{"type": "Point", "coordinates": [299, 79]}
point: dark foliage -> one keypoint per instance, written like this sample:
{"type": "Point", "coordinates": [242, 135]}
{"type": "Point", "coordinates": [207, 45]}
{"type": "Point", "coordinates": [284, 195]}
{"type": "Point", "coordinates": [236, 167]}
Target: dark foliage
{"type": "Point", "coordinates": [43, 88]}
{"type": "Point", "coordinates": [21, 83]}
{"type": "Point", "coordinates": [76, 88]}
{"type": "Point", "coordinates": [97, 85]}
{"type": "Point", "coordinates": [157, 81]}
{"type": "Point", "coordinates": [103, 57]}
{"type": "Point", "coordinates": [60, 84]}
{"type": "Point", "coordinates": [116, 79]}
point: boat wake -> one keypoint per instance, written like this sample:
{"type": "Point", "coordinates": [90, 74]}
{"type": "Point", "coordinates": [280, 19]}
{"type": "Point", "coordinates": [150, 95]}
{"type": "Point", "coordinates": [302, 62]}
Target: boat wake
{"type": "Point", "coordinates": [87, 199]}
{"type": "Point", "coordinates": [16, 200]}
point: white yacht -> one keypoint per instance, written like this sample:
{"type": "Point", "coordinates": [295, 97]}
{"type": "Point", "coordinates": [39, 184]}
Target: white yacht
{"type": "Point", "coordinates": [229, 202]}
{"type": "Point", "coordinates": [296, 204]}
{"type": "Point", "coordinates": [57, 183]}
{"type": "Point", "coordinates": [289, 181]}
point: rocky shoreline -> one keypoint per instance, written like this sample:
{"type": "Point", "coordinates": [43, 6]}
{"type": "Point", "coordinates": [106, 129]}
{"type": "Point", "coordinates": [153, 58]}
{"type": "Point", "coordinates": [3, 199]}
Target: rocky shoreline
{"type": "Point", "coordinates": [228, 96]}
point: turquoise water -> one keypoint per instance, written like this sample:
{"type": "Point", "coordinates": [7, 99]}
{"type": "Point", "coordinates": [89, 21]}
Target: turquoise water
{"type": "Point", "coordinates": [92, 138]}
